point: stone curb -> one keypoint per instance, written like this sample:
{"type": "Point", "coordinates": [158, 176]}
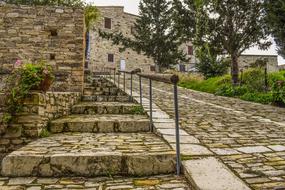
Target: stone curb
{"type": "Point", "coordinates": [203, 171]}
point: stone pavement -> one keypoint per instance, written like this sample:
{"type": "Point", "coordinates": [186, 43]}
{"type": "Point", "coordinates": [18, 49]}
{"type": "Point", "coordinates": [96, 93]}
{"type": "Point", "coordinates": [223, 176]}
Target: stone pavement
{"type": "Point", "coordinates": [165, 182]}
{"type": "Point", "coordinates": [248, 137]}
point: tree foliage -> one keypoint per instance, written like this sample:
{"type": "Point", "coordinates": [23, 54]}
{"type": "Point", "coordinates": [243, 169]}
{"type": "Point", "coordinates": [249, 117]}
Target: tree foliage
{"type": "Point", "coordinates": [232, 26]}
{"type": "Point", "coordinates": [91, 15]}
{"type": "Point", "coordinates": [154, 34]}
{"type": "Point", "coordinates": [275, 10]}
{"type": "Point", "coordinates": [210, 63]}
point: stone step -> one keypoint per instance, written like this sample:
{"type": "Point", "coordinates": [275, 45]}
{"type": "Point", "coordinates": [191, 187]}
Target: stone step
{"type": "Point", "coordinates": [103, 91]}
{"type": "Point", "coordinates": [107, 108]}
{"type": "Point", "coordinates": [100, 123]}
{"type": "Point", "coordinates": [89, 154]}
{"type": "Point", "coordinates": [103, 98]}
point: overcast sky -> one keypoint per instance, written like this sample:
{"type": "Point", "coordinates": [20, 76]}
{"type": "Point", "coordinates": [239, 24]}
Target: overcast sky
{"type": "Point", "coordinates": [131, 6]}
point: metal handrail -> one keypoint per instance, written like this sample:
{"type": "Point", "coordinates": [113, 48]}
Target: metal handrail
{"type": "Point", "coordinates": [165, 78]}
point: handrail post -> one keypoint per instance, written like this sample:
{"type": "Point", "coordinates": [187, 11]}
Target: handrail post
{"type": "Point", "coordinates": [131, 87]}
{"type": "Point", "coordinates": [114, 76]}
{"type": "Point", "coordinates": [178, 161]}
{"type": "Point", "coordinates": [110, 73]}
{"type": "Point", "coordinates": [150, 105]}
{"type": "Point", "coordinates": [119, 79]}
{"type": "Point", "coordinates": [124, 82]}
{"type": "Point", "coordinates": [140, 83]}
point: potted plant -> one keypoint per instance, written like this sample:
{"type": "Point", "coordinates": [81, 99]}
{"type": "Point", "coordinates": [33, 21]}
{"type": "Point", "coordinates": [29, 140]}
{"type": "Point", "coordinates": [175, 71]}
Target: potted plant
{"type": "Point", "coordinates": [23, 79]}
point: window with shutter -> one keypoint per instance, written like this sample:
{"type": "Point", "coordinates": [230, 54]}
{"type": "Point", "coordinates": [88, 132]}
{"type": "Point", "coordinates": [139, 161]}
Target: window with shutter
{"type": "Point", "coordinates": [108, 23]}
{"type": "Point", "coordinates": [190, 50]}
{"type": "Point", "coordinates": [111, 58]}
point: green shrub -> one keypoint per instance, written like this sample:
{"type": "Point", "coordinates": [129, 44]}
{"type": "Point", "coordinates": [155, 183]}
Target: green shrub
{"type": "Point", "coordinates": [274, 77]}
{"type": "Point", "coordinates": [20, 82]}
{"type": "Point", "coordinates": [229, 90]}
{"type": "Point", "coordinates": [210, 63]}
{"type": "Point", "coordinates": [278, 92]}
{"type": "Point", "coordinates": [254, 79]}
{"type": "Point", "coordinates": [263, 98]}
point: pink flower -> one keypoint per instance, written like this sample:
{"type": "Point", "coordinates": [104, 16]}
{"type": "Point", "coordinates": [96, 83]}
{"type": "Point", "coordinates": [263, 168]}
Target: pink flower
{"type": "Point", "coordinates": [18, 63]}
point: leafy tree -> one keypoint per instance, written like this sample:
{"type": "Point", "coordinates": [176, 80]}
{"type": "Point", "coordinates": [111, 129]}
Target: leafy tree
{"type": "Point", "coordinates": [232, 26]}
{"type": "Point", "coordinates": [210, 63]}
{"type": "Point", "coordinates": [275, 10]}
{"type": "Point", "coordinates": [154, 34]}
{"type": "Point", "coordinates": [91, 16]}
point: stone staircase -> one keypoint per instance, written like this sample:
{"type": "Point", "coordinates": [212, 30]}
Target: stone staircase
{"type": "Point", "coordinates": [107, 134]}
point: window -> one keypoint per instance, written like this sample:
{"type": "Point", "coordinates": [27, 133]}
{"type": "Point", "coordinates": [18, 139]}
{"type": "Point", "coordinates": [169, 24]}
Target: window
{"type": "Point", "coordinates": [111, 58]}
{"type": "Point", "coordinates": [108, 23]}
{"type": "Point", "coordinates": [190, 50]}
{"type": "Point", "coordinates": [132, 30]}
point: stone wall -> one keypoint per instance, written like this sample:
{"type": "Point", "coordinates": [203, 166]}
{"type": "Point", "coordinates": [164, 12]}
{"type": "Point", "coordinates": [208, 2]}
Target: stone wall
{"type": "Point", "coordinates": [53, 34]}
{"type": "Point", "coordinates": [121, 22]}
{"type": "Point", "coordinates": [100, 48]}
{"type": "Point", "coordinates": [38, 109]}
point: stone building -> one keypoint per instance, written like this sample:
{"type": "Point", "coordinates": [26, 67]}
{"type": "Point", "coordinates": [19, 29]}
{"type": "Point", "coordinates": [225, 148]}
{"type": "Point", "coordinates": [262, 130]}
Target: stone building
{"type": "Point", "coordinates": [104, 53]}
{"type": "Point", "coordinates": [52, 34]}
{"type": "Point", "coordinates": [245, 61]}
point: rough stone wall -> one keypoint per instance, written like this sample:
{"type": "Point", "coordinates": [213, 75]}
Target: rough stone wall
{"type": "Point", "coordinates": [100, 48]}
{"type": "Point", "coordinates": [53, 34]}
{"type": "Point", "coordinates": [38, 109]}
{"type": "Point", "coordinates": [272, 65]}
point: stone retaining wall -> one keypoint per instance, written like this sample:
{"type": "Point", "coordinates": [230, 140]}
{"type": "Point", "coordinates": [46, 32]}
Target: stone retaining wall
{"type": "Point", "coordinates": [38, 110]}
{"type": "Point", "coordinates": [52, 34]}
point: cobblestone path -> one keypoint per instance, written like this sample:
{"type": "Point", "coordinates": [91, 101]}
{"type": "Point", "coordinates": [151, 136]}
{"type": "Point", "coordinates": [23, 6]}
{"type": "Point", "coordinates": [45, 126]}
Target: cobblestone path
{"type": "Point", "coordinates": [154, 183]}
{"type": "Point", "coordinates": [249, 138]}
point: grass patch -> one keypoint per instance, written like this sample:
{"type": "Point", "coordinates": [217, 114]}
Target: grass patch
{"type": "Point", "coordinates": [252, 86]}
{"type": "Point", "coordinates": [137, 110]}
{"type": "Point", "coordinates": [44, 133]}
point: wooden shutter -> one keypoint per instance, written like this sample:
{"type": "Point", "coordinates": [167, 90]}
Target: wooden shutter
{"type": "Point", "coordinates": [190, 50]}
{"type": "Point", "coordinates": [111, 58]}
{"type": "Point", "coordinates": [108, 23]}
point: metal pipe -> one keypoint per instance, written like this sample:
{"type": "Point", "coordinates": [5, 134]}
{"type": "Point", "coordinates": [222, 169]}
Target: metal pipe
{"type": "Point", "coordinates": [140, 83]}
{"type": "Point", "coordinates": [124, 82]}
{"type": "Point", "coordinates": [150, 105]}
{"type": "Point", "coordinates": [178, 159]}
{"type": "Point", "coordinates": [131, 88]}
{"type": "Point", "coordinates": [114, 76]}
{"type": "Point", "coordinates": [119, 79]}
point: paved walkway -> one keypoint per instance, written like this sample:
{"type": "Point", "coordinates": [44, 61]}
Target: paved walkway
{"type": "Point", "coordinates": [103, 183]}
{"type": "Point", "coordinates": [249, 138]}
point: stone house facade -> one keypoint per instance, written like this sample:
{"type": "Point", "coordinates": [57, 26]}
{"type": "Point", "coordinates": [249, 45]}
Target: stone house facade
{"type": "Point", "coordinates": [245, 61]}
{"type": "Point", "coordinates": [51, 34]}
{"type": "Point", "coordinates": [104, 54]}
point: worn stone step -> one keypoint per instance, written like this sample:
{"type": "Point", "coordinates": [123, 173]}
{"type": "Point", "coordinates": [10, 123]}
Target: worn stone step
{"type": "Point", "coordinates": [103, 91]}
{"type": "Point", "coordinates": [107, 108]}
{"type": "Point", "coordinates": [100, 123]}
{"type": "Point", "coordinates": [89, 154]}
{"type": "Point", "coordinates": [103, 98]}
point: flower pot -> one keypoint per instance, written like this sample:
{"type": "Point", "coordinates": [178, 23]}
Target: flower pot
{"type": "Point", "coordinates": [44, 85]}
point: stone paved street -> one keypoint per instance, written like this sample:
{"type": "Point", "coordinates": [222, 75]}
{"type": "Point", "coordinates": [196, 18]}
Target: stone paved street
{"type": "Point", "coordinates": [103, 183]}
{"type": "Point", "coordinates": [249, 138]}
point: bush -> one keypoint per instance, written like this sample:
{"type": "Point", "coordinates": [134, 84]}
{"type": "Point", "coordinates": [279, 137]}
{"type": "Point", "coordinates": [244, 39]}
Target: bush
{"type": "Point", "coordinates": [210, 65]}
{"type": "Point", "coordinates": [274, 77]}
{"type": "Point", "coordinates": [278, 93]}
{"type": "Point", "coordinates": [263, 98]}
{"type": "Point", "coordinates": [21, 81]}
{"type": "Point", "coordinates": [229, 90]}
{"type": "Point", "coordinates": [254, 79]}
